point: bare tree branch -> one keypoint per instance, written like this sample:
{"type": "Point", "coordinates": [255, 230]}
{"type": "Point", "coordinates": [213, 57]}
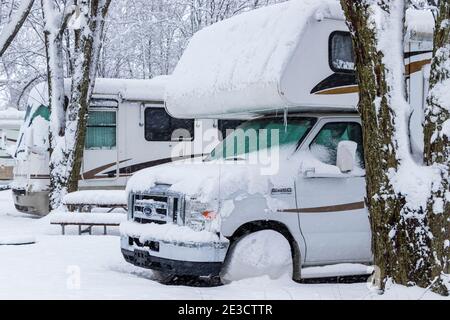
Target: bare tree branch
{"type": "Point", "coordinates": [10, 31]}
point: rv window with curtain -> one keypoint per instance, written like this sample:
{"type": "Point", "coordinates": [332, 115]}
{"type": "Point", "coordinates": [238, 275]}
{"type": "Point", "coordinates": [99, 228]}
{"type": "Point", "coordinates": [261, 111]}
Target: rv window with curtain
{"type": "Point", "coordinates": [342, 58]}
{"type": "Point", "coordinates": [160, 126]}
{"type": "Point", "coordinates": [324, 147]}
{"type": "Point", "coordinates": [101, 130]}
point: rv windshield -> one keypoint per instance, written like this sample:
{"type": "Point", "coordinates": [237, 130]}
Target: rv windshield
{"type": "Point", "coordinates": [260, 134]}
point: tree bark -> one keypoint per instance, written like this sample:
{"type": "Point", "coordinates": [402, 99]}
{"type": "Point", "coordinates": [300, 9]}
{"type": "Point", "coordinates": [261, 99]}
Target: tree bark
{"type": "Point", "coordinates": [83, 81]}
{"type": "Point", "coordinates": [400, 236]}
{"type": "Point", "coordinates": [437, 144]}
{"type": "Point", "coordinates": [68, 122]}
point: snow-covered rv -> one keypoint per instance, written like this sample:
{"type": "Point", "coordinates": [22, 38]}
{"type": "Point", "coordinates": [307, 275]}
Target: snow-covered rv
{"type": "Point", "coordinates": [10, 122]}
{"type": "Point", "coordinates": [128, 129]}
{"type": "Point", "coordinates": [295, 168]}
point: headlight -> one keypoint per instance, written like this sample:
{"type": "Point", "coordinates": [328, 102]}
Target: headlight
{"type": "Point", "coordinates": [200, 216]}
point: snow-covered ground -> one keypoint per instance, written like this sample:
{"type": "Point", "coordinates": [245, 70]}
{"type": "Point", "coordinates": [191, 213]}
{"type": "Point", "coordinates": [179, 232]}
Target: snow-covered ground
{"type": "Point", "coordinates": [92, 267]}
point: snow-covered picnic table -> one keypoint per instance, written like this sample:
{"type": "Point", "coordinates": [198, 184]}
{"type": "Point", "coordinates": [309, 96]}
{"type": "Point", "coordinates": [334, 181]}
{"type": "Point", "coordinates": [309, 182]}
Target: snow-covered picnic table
{"type": "Point", "coordinates": [86, 200]}
{"type": "Point", "coordinates": [80, 205]}
{"type": "Point", "coordinates": [87, 219]}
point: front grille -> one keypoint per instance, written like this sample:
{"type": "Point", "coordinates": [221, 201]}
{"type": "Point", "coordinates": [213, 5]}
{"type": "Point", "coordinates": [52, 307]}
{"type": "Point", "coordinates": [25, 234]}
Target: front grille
{"type": "Point", "coordinates": [147, 221]}
{"type": "Point", "coordinates": [158, 207]}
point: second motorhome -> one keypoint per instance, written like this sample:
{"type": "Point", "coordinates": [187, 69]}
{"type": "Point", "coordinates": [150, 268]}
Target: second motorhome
{"type": "Point", "coordinates": [296, 168]}
{"type": "Point", "coordinates": [128, 129]}
{"type": "Point", "coordinates": [10, 122]}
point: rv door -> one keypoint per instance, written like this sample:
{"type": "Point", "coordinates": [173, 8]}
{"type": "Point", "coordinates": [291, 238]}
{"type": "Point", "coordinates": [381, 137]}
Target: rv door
{"type": "Point", "coordinates": [333, 217]}
{"type": "Point", "coordinates": [101, 149]}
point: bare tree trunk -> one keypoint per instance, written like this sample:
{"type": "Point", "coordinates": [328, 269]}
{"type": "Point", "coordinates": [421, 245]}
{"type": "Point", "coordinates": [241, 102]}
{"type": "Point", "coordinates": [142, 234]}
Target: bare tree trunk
{"type": "Point", "coordinates": [10, 31]}
{"type": "Point", "coordinates": [437, 142]}
{"type": "Point", "coordinates": [400, 236]}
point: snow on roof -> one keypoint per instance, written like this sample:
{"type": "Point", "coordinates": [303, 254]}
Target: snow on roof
{"type": "Point", "coordinates": [236, 66]}
{"type": "Point", "coordinates": [129, 89]}
{"type": "Point", "coordinates": [11, 114]}
{"type": "Point", "coordinates": [419, 22]}
{"type": "Point", "coordinates": [239, 62]}
{"type": "Point", "coordinates": [133, 89]}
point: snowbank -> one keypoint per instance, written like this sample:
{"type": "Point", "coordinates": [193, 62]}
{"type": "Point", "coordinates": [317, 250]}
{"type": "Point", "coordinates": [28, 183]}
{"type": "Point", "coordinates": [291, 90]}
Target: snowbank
{"type": "Point", "coordinates": [167, 232]}
{"type": "Point", "coordinates": [98, 197]}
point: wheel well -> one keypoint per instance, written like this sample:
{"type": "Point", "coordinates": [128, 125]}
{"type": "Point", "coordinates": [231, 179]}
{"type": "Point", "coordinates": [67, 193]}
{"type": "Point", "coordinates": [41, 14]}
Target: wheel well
{"type": "Point", "coordinates": [255, 226]}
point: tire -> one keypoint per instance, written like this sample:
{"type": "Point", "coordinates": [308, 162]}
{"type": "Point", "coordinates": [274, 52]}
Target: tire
{"type": "Point", "coordinates": [263, 253]}
{"type": "Point", "coordinates": [162, 277]}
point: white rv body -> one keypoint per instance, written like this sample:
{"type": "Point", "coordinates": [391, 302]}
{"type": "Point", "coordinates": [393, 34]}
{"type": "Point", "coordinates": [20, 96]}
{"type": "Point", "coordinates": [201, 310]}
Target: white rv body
{"type": "Point", "coordinates": [187, 219]}
{"type": "Point", "coordinates": [11, 120]}
{"type": "Point", "coordinates": [118, 148]}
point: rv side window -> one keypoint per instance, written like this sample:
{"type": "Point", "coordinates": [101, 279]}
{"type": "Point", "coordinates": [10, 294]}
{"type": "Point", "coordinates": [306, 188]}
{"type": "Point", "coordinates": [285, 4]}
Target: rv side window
{"type": "Point", "coordinates": [101, 130]}
{"type": "Point", "coordinates": [226, 127]}
{"type": "Point", "coordinates": [324, 146]}
{"type": "Point", "coordinates": [160, 126]}
{"type": "Point", "coordinates": [342, 58]}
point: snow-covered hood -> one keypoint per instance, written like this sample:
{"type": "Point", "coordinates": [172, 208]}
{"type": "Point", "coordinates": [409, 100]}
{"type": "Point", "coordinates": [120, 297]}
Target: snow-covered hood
{"type": "Point", "coordinates": [221, 179]}
{"type": "Point", "coordinates": [204, 180]}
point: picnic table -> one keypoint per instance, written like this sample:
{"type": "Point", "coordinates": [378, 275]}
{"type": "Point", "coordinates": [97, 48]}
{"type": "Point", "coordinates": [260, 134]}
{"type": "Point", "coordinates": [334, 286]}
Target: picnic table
{"type": "Point", "coordinates": [87, 219]}
{"type": "Point", "coordinates": [86, 200]}
{"type": "Point", "coordinates": [80, 205]}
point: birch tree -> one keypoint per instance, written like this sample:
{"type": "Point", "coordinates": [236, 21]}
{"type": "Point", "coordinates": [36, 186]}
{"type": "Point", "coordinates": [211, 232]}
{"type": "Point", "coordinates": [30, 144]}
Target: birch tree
{"type": "Point", "coordinates": [407, 201]}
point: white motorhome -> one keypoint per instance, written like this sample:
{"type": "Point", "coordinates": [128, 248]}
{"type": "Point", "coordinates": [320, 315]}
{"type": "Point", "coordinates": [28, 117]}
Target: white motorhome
{"type": "Point", "coordinates": [11, 120]}
{"type": "Point", "coordinates": [128, 129]}
{"type": "Point", "coordinates": [290, 67]}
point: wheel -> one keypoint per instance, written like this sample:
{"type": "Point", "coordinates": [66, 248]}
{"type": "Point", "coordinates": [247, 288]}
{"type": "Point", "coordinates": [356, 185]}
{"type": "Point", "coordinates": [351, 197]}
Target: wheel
{"type": "Point", "coordinates": [263, 253]}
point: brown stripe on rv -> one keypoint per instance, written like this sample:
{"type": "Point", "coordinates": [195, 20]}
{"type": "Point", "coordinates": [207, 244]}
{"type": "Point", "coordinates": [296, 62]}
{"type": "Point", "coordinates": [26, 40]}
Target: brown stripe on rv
{"type": "Point", "coordinates": [410, 69]}
{"type": "Point", "coordinates": [92, 173]}
{"type": "Point", "coordinates": [39, 176]}
{"type": "Point", "coordinates": [335, 208]}
{"type": "Point", "coordinates": [414, 67]}
{"type": "Point", "coordinates": [144, 165]}
{"type": "Point", "coordinates": [342, 90]}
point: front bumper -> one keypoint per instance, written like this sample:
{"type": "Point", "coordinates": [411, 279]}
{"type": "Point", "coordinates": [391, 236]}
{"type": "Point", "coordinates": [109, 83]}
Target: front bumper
{"type": "Point", "coordinates": [143, 259]}
{"type": "Point", "coordinates": [176, 258]}
{"type": "Point", "coordinates": [36, 203]}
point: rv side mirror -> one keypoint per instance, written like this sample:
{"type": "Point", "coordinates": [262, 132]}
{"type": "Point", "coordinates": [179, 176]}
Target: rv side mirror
{"type": "Point", "coordinates": [346, 155]}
